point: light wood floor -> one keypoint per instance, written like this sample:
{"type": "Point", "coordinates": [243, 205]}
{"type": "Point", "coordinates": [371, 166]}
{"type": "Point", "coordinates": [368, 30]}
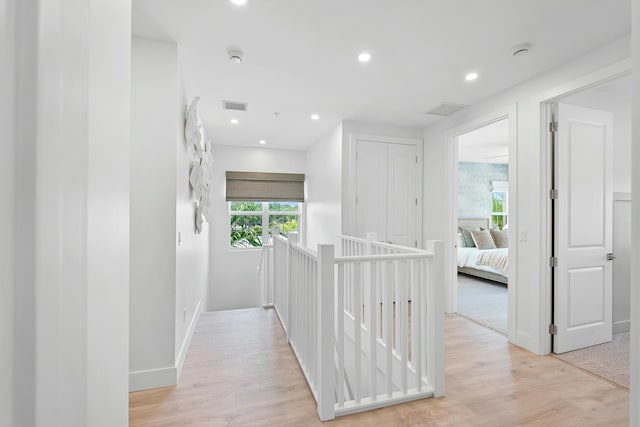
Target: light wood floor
{"type": "Point", "coordinates": [240, 372]}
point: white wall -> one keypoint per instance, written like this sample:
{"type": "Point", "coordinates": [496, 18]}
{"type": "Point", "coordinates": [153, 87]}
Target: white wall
{"type": "Point", "coordinates": [323, 206]}
{"type": "Point", "coordinates": [11, 119]}
{"type": "Point", "coordinates": [192, 254]}
{"type": "Point", "coordinates": [350, 127]}
{"type": "Point", "coordinates": [233, 272]}
{"type": "Point", "coordinates": [530, 195]}
{"type": "Point", "coordinates": [168, 280]}
{"type": "Point", "coordinates": [70, 154]}
{"type": "Point", "coordinates": [153, 211]}
{"type": "Point", "coordinates": [107, 242]}
{"type": "Point", "coordinates": [635, 221]}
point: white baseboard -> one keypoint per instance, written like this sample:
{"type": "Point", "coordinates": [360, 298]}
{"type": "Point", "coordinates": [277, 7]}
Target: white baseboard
{"type": "Point", "coordinates": [621, 326]}
{"type": "Point", "coordinates": [164, 377]}
{"type": "Point", "coordinates": [152, 378]}
{"type": "Point", "coordinates": [184, 348]}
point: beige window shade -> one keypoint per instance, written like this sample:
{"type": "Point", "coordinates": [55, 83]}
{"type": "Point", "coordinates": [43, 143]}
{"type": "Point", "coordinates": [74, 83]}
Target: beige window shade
{"type": "Point", "coordinates": [264, 186]}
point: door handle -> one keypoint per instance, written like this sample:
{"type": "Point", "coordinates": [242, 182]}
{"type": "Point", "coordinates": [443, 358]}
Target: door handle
{"type": "Point", "coordinates": [610, 256]}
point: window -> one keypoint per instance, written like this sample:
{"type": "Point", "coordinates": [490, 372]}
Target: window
{"type": "Point", "coordinates": [499, 210]}
{"type": "Point", "coordinates": [252, 223]}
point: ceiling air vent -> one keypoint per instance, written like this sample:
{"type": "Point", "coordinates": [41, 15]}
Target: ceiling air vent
{"type": "Point", "coordinates": [445, 109]}
{"type": "Point", "coordinates": [234, 106]}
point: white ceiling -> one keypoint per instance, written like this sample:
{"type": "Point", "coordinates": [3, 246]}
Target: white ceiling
{"type": "Point", "coordinates": [300, 56]}
{"type": "Point", "coordinates": [488, 144]}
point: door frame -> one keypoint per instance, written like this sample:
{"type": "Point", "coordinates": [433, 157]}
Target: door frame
{"type": "Point", "coordinates": [544, 102]}
{"type": "Point", "coordinates": [350, 214]}
{"type": "Point", "coordinates": [450, 256]}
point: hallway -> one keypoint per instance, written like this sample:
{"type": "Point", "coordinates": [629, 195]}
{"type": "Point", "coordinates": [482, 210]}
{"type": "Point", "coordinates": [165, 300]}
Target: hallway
{"type": "Point", "coordinates": [240, 371]}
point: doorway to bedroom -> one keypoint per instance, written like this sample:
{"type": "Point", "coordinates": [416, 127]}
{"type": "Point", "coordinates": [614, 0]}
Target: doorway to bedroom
{"type": "Point", "coordinates": [482, 243]}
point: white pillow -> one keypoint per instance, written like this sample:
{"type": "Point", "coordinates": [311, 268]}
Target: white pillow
{"type": "Point", "coordinates": [460, 241]}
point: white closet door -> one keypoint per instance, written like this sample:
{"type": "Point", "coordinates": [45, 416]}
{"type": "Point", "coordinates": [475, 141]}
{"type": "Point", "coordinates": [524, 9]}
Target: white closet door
{"type": "Point", "coordinates": [371, 188]}
{"type": "Point", "coordinates": [401, 194]}
{"type": "Point", "coordinates": [583, 228]}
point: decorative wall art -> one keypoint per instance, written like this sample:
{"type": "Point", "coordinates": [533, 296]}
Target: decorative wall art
{"type": "Point", "coordinates": [201, 172]}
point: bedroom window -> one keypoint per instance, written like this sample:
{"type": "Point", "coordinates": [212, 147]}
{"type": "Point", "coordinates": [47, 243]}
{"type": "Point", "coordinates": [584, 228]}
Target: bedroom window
{"type": "Point", "coordinates": [499, 202]}
{"type": "Point", "coordinates": [251, 223]}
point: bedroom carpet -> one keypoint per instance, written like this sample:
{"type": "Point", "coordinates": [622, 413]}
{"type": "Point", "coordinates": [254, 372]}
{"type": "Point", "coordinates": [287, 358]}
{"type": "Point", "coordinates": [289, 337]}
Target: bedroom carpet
{"type": "Point", "coordinates": [609, 360]}
{"type": "Point", "coordinates": [483, 301]}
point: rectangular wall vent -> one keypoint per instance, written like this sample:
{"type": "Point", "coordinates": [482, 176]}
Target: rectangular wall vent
{"type": "Point", "coordinates": [234, 106]}
{"type": "Point", "coordinates": [445, 109]}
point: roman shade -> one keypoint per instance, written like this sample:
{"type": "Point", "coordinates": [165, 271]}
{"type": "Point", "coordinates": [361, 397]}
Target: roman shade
{"type": "Point", "coordinates": [265, 186]}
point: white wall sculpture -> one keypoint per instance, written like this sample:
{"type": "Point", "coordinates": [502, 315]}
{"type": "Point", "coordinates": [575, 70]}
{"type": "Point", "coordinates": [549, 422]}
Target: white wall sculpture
{"type": "Point", "coordinates": [202, 167]}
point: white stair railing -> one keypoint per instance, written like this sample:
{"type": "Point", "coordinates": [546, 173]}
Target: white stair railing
{"type": "Point", "coordinates": [367, 326]}
{"type": "Point", "coordinates": [264, 274]}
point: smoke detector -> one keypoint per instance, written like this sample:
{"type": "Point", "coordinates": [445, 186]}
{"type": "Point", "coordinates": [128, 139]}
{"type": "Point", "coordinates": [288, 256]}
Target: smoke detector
{"type": "Point", "coordinates": [235, 55]}
{"type": "Point", "coordinates": [521, 49]}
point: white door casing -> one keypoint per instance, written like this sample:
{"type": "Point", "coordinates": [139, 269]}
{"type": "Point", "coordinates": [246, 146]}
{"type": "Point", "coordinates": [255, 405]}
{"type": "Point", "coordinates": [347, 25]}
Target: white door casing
{"type": "Point", "coordinates": [583, 228]}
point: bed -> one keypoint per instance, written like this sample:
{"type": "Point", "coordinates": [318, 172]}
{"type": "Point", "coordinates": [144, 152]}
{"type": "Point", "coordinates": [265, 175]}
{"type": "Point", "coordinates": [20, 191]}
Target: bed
{"type": "Point", "coordinates": [491, 264]}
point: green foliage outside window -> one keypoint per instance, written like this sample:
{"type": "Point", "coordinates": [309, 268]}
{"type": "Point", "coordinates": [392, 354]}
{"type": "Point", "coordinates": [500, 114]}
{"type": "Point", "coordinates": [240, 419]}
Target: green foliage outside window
{"type": "Point", "coordinates": [246, 229]}
{"type": "Point", "coordinates": [498, 210]}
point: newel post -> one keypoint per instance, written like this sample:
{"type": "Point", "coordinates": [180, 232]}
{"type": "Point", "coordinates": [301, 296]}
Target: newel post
{"type": "Point", "coordinates": [326, 340]}
{"type": "Point", "coordinates": [435, 313]}
{"type": "Point", "coordinates": [292, 238]}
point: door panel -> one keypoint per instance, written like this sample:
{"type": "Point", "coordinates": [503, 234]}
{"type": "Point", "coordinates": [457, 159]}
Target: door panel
{"type": "Point", "coordinates": [586, 182]}
{"type": "Point", "coordinates": [371, 188]}
{"type": "Point", "coordinates": [583, 228]}
{"type": "Point", "coordinates": [401, 196]}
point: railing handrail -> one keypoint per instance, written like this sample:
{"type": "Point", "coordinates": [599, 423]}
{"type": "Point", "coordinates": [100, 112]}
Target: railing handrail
{"type": "Point", "coordinates": [305, 250]}
{"type": "Point", "coordinates": [396, 247]}
{"type": "Point", "coordinates": [382, 257]}
{"type": "Point", "coordinates": [352, 238]}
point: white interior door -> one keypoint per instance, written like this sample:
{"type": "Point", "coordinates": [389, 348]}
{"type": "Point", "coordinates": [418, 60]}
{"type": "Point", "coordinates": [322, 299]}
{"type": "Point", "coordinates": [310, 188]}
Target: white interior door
{"type": "Point", "coordinates": [582, 228]}
{"type": "Point", "coordinates": [371, 188]}
{"type": "Point", "coordinates": [401, 194]}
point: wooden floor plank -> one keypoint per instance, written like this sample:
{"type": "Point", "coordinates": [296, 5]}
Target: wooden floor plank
{"type": "Point", "coordinates": [240, 372]}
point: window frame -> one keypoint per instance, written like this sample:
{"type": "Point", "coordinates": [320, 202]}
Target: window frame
{"type": "Point", "coordinates": [505, 208]}
{"type": "Point", "coordinates": [265, 213]}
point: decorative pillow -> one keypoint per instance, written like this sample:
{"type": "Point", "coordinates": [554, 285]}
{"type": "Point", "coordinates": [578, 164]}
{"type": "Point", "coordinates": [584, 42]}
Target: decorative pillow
{"type": "Point", "coordinates": [483, 239]}
{"type": "Point", "coordinates": [467, 238]}
{"type": "Point", "coordinates": [461, 241]}
{"type": "Point", "coordinates": [500, 238]}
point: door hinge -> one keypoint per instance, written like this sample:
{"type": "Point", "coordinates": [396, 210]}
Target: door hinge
{"type": "Point", "coordinates": [553, 261]}
{"type": "Point", "coordinates": [416, 201]}
{"type": "Point", "coordinates": [416, 160]}
{"type": "Point", "coordinates": [553, 330]}
{"type": "Point", "coordinates": [553, 194]}
{"type": "Point", "coordinates": [415, 244]}
{"type": "Point", "coordinates": [553, 126]}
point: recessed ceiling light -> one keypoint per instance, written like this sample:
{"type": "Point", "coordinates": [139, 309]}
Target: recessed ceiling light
{"type": "Point", "coordinates": [234, 121]}
{"type": "Point", "coordinates": [239, 2]}
{"type": "Point", "coordinates": [315, 117]}
{"type": "Point", "coordinates": [262, 142]}
{"type": "Point", "coordinates": [471, 76]}
{"type": "Point", "coordinates": [364, 57]}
